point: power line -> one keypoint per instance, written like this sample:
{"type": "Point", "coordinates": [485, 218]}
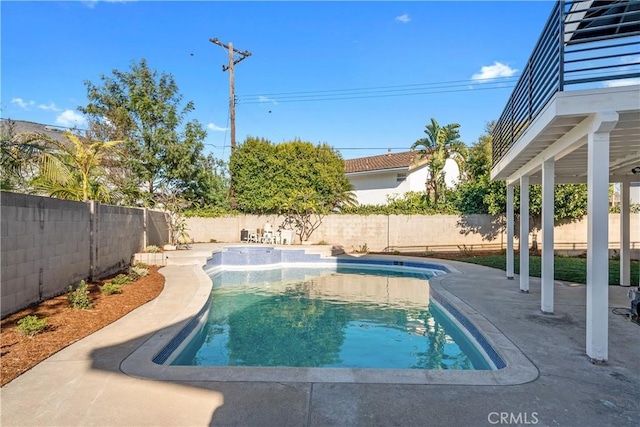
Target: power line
{"type": "Point", "coordinates": [346, 92]}
{"type": "Point", "coordinates": [357, 96]}
{"type": "Point", "coordinates": [336, 148]}
{"type": "Point", "coordinates": [414, 89]}
{"type": "Point", "coordinates": [464, 82]}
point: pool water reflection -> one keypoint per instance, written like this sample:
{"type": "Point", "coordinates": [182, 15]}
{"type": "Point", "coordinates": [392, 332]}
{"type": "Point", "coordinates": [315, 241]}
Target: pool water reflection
{"type": "Point", "coordinates": [350, 318]}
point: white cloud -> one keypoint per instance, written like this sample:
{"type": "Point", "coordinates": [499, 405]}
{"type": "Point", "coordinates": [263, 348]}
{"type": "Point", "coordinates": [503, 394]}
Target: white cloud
{"type": "Point", "coordinates": [489, 72]}
{"type": "Point", "coordinates": [213, 126]}
{"type": "Point", "coordinates": [266, 99]}
{"type": "Point", "coordinates": [404, 18]}
{"type": "Point", "coordinates": [22, 103]}
{"type": "Point", "coordinates": [621, 82]}
{"type": "Point", "coordinates": [51, 107]}
{"type": "Point", "coordinates": [69, 118]}
{"type": "Point", "coordinates": [92, 3]}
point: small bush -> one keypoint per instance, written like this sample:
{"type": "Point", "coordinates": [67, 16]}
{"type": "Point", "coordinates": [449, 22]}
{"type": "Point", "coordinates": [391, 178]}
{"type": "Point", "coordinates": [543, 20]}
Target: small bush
{"type": "Point", "coordinates": [122, 279]}
{"type": "Point", "coordinates": [136, 271]}
{"type": "Point", "coordinates": [141, 265]}
{"type": "Point", "coordinates": [110, 288]}
{"type": "Point", "coordinates": [79, 298]}
{"type": "Point", "coordinates": [31, 325]}
{"type": "Point", "coordinates": [465, 250]}
{"type": "Point", "coordinates": [363, 249]}
{"type": "Point", "coordinates": [152, 249]}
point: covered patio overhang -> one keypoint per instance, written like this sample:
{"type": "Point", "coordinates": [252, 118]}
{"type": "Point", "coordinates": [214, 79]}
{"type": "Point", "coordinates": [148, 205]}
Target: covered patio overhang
{"type": "Point", "coordinates": [587, 136]}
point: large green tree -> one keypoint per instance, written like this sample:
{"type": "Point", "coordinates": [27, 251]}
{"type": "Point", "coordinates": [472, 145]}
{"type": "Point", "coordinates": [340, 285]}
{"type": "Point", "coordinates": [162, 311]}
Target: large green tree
{"type": "Point", "coordinates": [144, 108]}
{"type": "Point", "coordinates": [297, 179]}
{"type": "Point", "coordinates": [441, 144]}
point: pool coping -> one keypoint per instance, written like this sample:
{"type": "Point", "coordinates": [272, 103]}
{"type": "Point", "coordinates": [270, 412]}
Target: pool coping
{"type": "Point", "coordinates": [195, 281]}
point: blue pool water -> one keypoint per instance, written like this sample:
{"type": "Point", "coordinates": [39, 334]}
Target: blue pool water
{"type": "Point", "coordinates": [350, 318]}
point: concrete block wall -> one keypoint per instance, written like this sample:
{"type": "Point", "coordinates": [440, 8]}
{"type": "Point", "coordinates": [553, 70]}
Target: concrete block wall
{"type": "Point", "coordinates": [381, 231]}
{"type": "Point", "coordinates": [120, 234]}
{"type": "Point", "coordinates": [227, 229]}
{"type": "Point", "coordinates": [44, 248]}
{"type": "Point", "coordinates": [576, 231]}
{"type": "Point", "coordinates": [157, 229]}
{"type": "Point", "coordinates": [354, 231]}
{"type": "Point", "coordinates": [47, 244]}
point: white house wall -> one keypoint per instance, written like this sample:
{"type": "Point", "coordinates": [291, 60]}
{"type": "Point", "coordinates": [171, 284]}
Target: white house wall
{"type": "Point", "coordinates": [376, 187]}
{"type": "Point", "coordinates": [418, 179]}
{"type": "Point", "coordinates": [451, 173]}
{"type": "Point", "coordinates": [373, 188]}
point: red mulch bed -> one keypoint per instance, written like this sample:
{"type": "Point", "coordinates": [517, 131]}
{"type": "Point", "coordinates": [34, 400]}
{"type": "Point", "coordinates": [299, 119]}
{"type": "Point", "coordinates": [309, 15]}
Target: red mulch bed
{"type": "Point", "coordinates": [67, 325]}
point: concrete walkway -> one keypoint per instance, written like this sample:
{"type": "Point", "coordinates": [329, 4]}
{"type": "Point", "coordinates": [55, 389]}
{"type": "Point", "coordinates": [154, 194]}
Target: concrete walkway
{"type": "Point", "coordinates": [84, 384]}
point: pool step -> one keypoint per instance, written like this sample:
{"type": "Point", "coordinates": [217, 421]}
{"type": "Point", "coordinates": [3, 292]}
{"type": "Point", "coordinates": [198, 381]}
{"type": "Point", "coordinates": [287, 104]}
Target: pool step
{"type": "Point", "coordinates": [241, 253]}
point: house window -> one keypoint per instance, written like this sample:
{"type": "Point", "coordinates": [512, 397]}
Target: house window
{"type": "Point", "coordinates": [401, 177]}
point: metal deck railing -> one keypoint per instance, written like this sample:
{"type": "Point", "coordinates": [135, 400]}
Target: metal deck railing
{"type": "Point", "coordinates": [584, 44]}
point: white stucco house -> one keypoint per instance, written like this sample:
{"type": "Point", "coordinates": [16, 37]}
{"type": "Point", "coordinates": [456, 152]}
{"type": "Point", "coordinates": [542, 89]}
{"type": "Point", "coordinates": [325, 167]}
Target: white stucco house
{"type": "Point", "coordinates": [574, 117]}
{"type": "Point", "coordinates": [375, 179]}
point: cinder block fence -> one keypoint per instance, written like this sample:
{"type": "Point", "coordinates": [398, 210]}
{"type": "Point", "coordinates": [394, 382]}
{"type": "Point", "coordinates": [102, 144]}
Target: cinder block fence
{"type": "Point", "coordinates": [48, 244]}
{"type": "Point", "coordinates": [417, 232]}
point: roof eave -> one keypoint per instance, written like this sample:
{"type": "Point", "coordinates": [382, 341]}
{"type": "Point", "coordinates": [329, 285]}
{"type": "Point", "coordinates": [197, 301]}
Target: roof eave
{"type": "Point", "coordinates": [369, 172]}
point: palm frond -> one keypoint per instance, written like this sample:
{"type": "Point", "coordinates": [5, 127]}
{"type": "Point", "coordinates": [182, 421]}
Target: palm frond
{"type": "Point", "coordinates": [54, 170]}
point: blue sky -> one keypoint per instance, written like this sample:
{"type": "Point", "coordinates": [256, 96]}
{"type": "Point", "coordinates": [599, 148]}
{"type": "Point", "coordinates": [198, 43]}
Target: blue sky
{"type": "Point", "coordinates": [428, 55]}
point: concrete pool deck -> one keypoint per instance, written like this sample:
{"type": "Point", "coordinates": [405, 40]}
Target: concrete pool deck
{"type": "Point", "coordinates": [84, 384]}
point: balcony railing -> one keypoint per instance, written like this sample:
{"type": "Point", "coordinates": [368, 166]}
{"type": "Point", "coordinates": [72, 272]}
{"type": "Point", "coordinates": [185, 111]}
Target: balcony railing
{"type": "Point", "coordinates": [584, 44]}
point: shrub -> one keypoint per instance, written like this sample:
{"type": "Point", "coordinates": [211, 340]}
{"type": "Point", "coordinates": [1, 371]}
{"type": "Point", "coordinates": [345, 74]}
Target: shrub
{"type": "Point", "coordinates": [152, 249]}
{"type": "Point", "coordinates": [465, 250]}
{"type": "Point", "coordinates": [363, 249]}
{"type": "Point", "coordinates": [110, 288]}
{"type": "Point", "coordinates": [137, 271]}
{"type": "Point", "coordinates": [122, 279]}
{"type": "Point", "coordinates": [31, 325]}
{"type": "Point", "coordinates": [79, 298]}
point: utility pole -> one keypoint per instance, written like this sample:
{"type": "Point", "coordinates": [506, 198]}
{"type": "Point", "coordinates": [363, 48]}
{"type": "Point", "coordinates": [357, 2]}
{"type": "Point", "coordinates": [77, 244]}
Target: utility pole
{"type": "Point", "coordinates": [232, 95]}
{"type": "Point", "coordinates": [232, 101]}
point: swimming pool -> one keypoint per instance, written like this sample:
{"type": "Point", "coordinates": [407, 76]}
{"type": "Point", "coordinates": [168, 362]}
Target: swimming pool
{"type": "Point", "coordinates": [183, 305]}
{"type": "Point", "coordinates": [347, 317]}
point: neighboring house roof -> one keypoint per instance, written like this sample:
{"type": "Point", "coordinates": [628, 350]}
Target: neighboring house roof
{"type": "Point", "coordinates": [22, 126]}
{"type": "Point", "coordinates": [406, 160]}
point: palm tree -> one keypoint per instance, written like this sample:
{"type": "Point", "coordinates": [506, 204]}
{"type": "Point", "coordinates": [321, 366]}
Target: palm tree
{"type": "Point", "coordinates": [17, 158]}
{"type": "Point", "coordinates": [441, 144]}
{"type": "Point", "coordinates": [72, 169]}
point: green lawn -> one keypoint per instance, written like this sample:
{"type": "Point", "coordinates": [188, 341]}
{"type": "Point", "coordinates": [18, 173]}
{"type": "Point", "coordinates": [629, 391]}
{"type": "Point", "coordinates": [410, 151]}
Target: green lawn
{"type": "Point", "coordinates": [565, 268]}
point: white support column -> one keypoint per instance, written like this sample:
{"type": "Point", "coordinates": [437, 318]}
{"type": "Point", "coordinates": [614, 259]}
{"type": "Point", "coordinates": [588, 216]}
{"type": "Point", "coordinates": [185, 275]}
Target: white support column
{"type": "Point", "coordinates": [510, 229]}
{"type": "Point", "coordinates": [524, 234]}
{"type": "Point", "coordinates": [598, 237]}
{"type": "Point", "coordinates": [625, 235]}
{"type": "Point", "coordinates": [548, 182]}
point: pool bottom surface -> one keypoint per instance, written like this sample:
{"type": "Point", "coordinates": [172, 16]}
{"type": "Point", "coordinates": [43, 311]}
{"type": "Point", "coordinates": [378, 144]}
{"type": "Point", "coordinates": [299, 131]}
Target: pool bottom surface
{"type": "Point", "coordinates": [354, 318]}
